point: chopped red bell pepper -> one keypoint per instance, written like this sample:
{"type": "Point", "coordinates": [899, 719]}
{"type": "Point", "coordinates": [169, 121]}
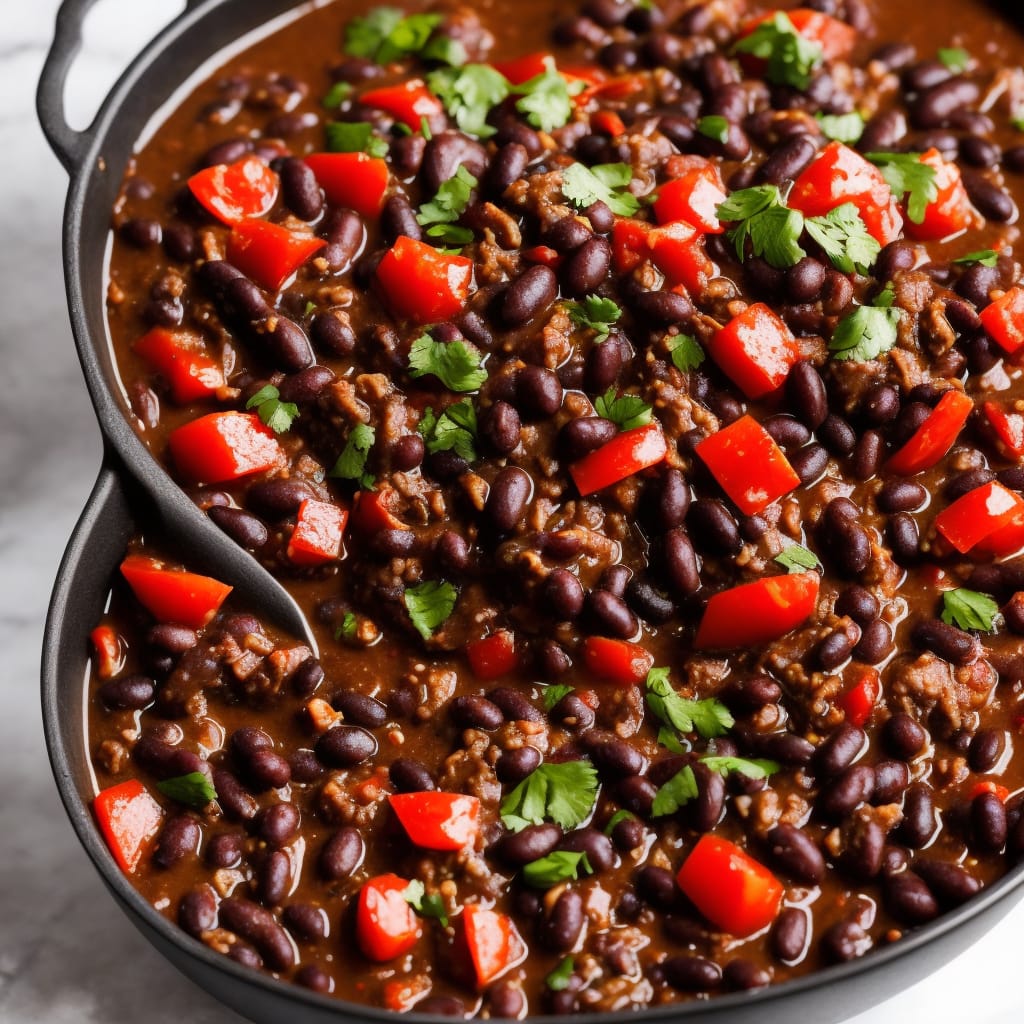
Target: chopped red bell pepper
{"type": "Point", "coordinates": [836, 38]}
{"type": "Point", "coordinates": [423, 284]}
{"type": "Point", "coordinates": [493, 656]}
{"type": "Point", "coordinates": [436, 820]}
{"type": "Point", "coordinates": [748, 464]}
{"type": "Point", "coordinates": [978, 514]}
{"type": "Point", "coordinates": [733, 891]}
{"type": "Point", "coordinates": [621, 457]}
{"type": "Point", "coordinates": [354, 180]}
{"type": "Point", "coordinates": [386, 925]}
{"type": "Point", "coordinates": [173, 595]}
{"type": "Point", "coordinates": [756, 350]}
{"type": "Point", "coordinates": [1008, 426]}
{"type": "Point", "coordinates": [678, 251]}
{"type": "Point", "coordinates": [129, 819]}
{"type": "Point", "coordinates": [319, 528]}
{"type": "Point", "coordinates": [232, 192]}
{"type": "Point", "coordinates": [860, 699]}
{"type": "Point", "coordinates": [754, 613]}
{"type": "Point", "coordinates": [373, 511]}
{"type": "Point", "coordinates": [109, 650]}
{"type": "Point", "coordinates": [607, 122]}
{"type": "Point", "coordinates": [408, 102]}
{"type": "Point", "coordinates": [618, 661]}
{"type": "Point", "coordinates": [269, 253]}
{"type": "Point", "coordinates": [1007, 540]}
{"type": "Point", "coordinates": [180, 358]}
{"type": "Point", "coordinates": [934, 437]}
{"type": "Point", "coordinates": [522, 69]}
{"type": "Point", "coordinates": [694, 198]}
{"type": "Point", "coordinates": [951, 210]}
{"type": "Point", "coordinates": [840, 175]}
{"type": "Point", "coordinates": [619, 87]}
{"type": "Point", "coordinates": [543, 254]}
{"type": "Point", "coordinates": [629, 244]}
{"type": "Point", "coordinates": [1004, 319]}
{"type": "Point", "coordinates": [988, 786]}
{"type": "Point", "coordinates": [494, 943]}
{"type": "Point", "coordinates": [224, 446]}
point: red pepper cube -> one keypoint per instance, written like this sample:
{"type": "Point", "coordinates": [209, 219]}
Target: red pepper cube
{"type": "Point", "coordinates": [621, 457]}
{"type": "Point", "coordinates": [423, 284]}
{"type": "Point", "coordinates": [618, 661]}
{"type": "Point", "coordinates": [629, 243]}
{"type": "Point", "coordinates": [978, 514]}
{"type": "Point", "coordinates": [438, 821]}
{"type": "Point", "coordinates": [224, 446]}
{"type": "Point", "coordinates": [493, 656]}
{"type": "Point", "coordinates": [933, 439]}
{"type": "Point", "coordinates": [354, 180]}
{"type": "Point", "coordinates": [268, 253]}
{"type": "Point", "coordinates": [109, 651]}
{"type": "Point", "coordinates": [409, 102]}
{"type": "Point", "coordinates": [756, 613]}
{"type": "Point", "coordinates": [1004, 319]}
{"type": "Point", "coordinates": [318, 533]}
{"type": "Point", "coordinates": [232, 192]}
{"type": "Point", "coordinates": [678, 251]}
{"type": "Point", "coordinates": [1007, 540]}
{"type": "Point", "coordinates": [836, 38]}
{"type": "Point", "coordinates": [180, 358]}
{"type": "Point", "coordinates": [173, 595]}
{"type": "Point", "coordinates": [1008, 427]}
{"type": "Point", "coordinates": [860, 699]}
{"type": "Point", "coordinates": [607, 122]}
{"type": "Point", "coordinates": [386, 925]}
{"type": "Point", "coordinates": [756, 350]}
{"type": "Point", "coordinates": [373, 511]}
{"type": "Point", "coordinates": [951, 210]}
{"type": "Point", "coordinates": [129, 819]}
{"type": "Point", "coordinates": [748, 464]}
{"type": "Point", "coordinates": [693, 198]}
{"type": "Point", "coordinates": [494, 943]}
{"type": "Point", "coordinates": [522, 69]}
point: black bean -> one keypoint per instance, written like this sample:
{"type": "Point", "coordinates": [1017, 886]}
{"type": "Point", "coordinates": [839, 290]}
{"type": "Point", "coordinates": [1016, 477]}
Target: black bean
{"type": "Point", "coordinates": [514, 705]}
{"type": "Point", "coordinates": [745, 696]}
{"type": "Point", "coordinates": [789, 934]}
{"type": "Point", "coordinates": [868, 455]}
{"type": "Point", "coordinates": [663, 308]}
{"type": "Point", "coordinates": [843, 795]}
{"type": "Point", "coordinates": [445, 153]}
{"type": "Point", "coordinates": [648, 601]}
{"type": "Point", "coordinates": [891, 779]}
{"type": "Point", "coordinates": [988, 822]}
{"type": "Point", "coordinates": [840, 749]}
{"type": "Point", "coordinates": [809, 463]}
{"type": "Point", "coordinates": [132, 693]}
{"type": "Point", "coordinates": [584, 434]}
{"type": "Point", "coordinates": [673, 501]}
{"type": "Point", "coordinates": [934, 106]}
{"type": "Point", "coordinates": [963, 483]}
{"type": "Point", "coordinates": [471, 711]}
{"type": "Point", "coordinates": [266, 769]}
{"type": "Point", "coordinates": [306, 385]}
{"type": "Point", "coordinates": [883, 131]}
{"type": "Point", "coordinates": [564, 594]}
{"type": "Point", "coordinates": [837, 647]}
{"type": "Point", "coordinates": [919, 824]}
{"type": "Point", "coordinates": [514, 765]}
{"type": "Point", "coordinates": [179, 837]}
{"type": "Point", "coordinates": [242, 527]}
{"type": "Point", "coordinates": [258, 926]}
{"type": "Point", "coordinates": [345, 235]}
{"type": "Point", "coordinates": [614, 579]}
{"type": "Point", "coordinates": [787, 431]}
{"type": "Point", "coordinates": [636, 793]}
{"type": "Point", "coordinates": [398, 218]}
{"type": "Point", "coordinates": [805, 280]}
{"type": "Point", "coordinates": [743, 975]}
{"type": "Point", "coordinates": [613, 755]}
{"type": "Point", "coordinates": [235, 800]}
{"type": "Point", "coordinates": [572, 713]}
{"type": "Point", "coordinates": [992, 202]}
{"type": "Point", "coordinates": [657, 886]}
{"type": "Point", "coordinates": [585, 270]}
{"type": "Point", "coordinates": [197, 911]}
{"type": "Point", "coordinates": [786, 747]}
{"type": "Point", "coordinates": [561, 929]}
{"type": "Point", "coordinates": [901, 496]}
{"type": "Point", "coordinates": [795, 853]}
{"type": "Point", "coordinates": [279, 823]}
{"type": "Point", "coordinates": [538, 392]}
{"type": "Point", "coordinates": [408, 775]}
{"type": "Point", "coordinates": [342, 854]}
{"type": "Point", "coordinates": [806, 392]}
{"type": "Point", "coordinates": [851, 549]}
{"type": "Point", "coordinates": [499, 427]}
{"type": "Point", "coordinates": [286, 343]}
{"type": "Point", "coordinates": [278, 498]}
{"type": "Point", "coordinates": [345, 746]}
{"type": "Point", "coordinates": [692, 973]}
{"type": "Point", "coordinates": [908, 899]}
{"type": "Point", "coordinates": [605, 362]}
{"type": "Point", "coordinates": [837, 435]}
{"type": "Point", "coordinates": [628, 834]}
{"type": "Point", "coordinates": [951, 884]}
{"type": "Point", "coordinates": [529, 295]}
{"type": "Point", "coordinates": [305, 922]}
{"type": "Point", "coordinates": [331, 334]}
{"type": "Point", "coordinates": [976, 282]}
{"type": "Point", "coordinates": [600, 216]}
{"type": "Point", "coordinates": [506, 1001]}
{"type": "Point", "coordinates": [713, 527]}
{"type": "Point", "coordinates": [529, 844]}
{"type": "Point", "coordinates": [568, 233]}
{"type": "Point", "coordinates": [406, 153]}
{"type": "Point", "coordinates": [980, 152]}
{"type": "Point", "coordinates": [299, 189]}
{"type": "Point", "coordinates": [985, 750]}
{"type": "Point", "coordinates": [506, 166]}
{"type": "Point", "coordinates": [706, 811]}
{"type": "Point", "coordinates": [594, 843]}
{"type": "Point", "coordinates": [903, 736]}
{"type": "Point", "coordinates": [947, 641]}
{"type": "Point", "coordinates": [508, 497]}
{"type": "Point", "coordinates": [787, 160]}
{"type": "Point", "coordinates": [858, 603]}
{"type": "Point", "coordinates": [843, 941]}
{"type": "Point", "coordinates": [612, 615]}
{"type": "Point", "coordinates": [360, 709]}
{"type": "Point", "coordinates": [904, 538]}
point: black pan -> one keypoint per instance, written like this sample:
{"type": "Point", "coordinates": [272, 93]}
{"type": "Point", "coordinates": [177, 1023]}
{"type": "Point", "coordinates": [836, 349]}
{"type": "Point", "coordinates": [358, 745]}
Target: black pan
{"type": "Point", "coordinates": [134, 492]}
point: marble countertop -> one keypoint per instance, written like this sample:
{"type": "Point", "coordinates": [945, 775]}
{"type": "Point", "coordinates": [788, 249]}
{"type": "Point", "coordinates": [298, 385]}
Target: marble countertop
{"type": "Point", "coordinates": [67, 954]}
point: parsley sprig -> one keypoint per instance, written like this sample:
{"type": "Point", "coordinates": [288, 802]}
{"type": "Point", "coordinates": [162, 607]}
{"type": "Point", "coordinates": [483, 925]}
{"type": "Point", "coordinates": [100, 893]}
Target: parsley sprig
{"type": "Point", "coordinates": [563, 793]}
{"type": "Point", "coordinates": [867, 332]}
{"type": "Point", "coordinates": [708, 717]}
{"type": "Point", "coordinates": [582, 186]}
{"type": "Point", "coordinates": [845, 239]}
{"type": "Point", "coordinates": [351, 463]}
{"type": "Point", "coordinates": [686, 352]}
{"type": "Point", "coordinates": [790, 57]}
{"type": "Point", "coordinates": [274, 413]}
{"type": "Point", "coordinates": [439, 215]}
{"type": "Point", "coordinates": [454, 430]}
{"type": "Point", "coordinates": [469, 94]}
{"type": "Point", "coordinates": [596, 313]}
{"type": "Point", "coordinates": [969, 609]}
{"type": "Point", "coordinates": [759, 215]}
{"type": "Point", "coordinates": [546, 99]}
{"type": "Point", "coordinates": [907, 176]}
{"type": "Point", "coordinates": [429, 604]}
{"type": "Point", "coordinates": [625, 411]}
{"type": "Point", "coordinates": [457, 366]}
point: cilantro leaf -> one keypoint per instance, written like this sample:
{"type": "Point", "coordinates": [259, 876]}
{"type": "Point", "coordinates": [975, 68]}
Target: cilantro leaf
{"type": "Point", "coordinates": [445, 50]}
{"type": "Point", "coordinates": [351, 463]}
{"type": "Point", "coordinates": [956, 58]}
{"type": "Point", "coordinates": [469, 94]}
{"type": "Point", "coordinates": [846, 128]}
{"type": "Point", "coordinates": [274, 413]}
{"type": "Point", "coordinates": [709, 717]}
{"type": "Point", "coordinates": [347, 629]}
{"type": "Point", "coordinates": [625, 411]}
{"type": "Point", "coordinates": [559, 978]}
{"type": "Point", "coordinates": [986, 257]}
{"type": "Point", "coordinates": [563, 793]}
{"type": "Point", "coordinates": [747, 203]}
{"type": "Point", "coordinates": [797, 558]}
{"type": "Point", "coordinates": [791, 58]}
{"type": "Point", "coordinates": [336, 95]}
{"type": "Point", "coordinates": [452, 234]}
{"type": "Point", "coordinates": [669, 739]}
{"type": "Point", "coordinates": [365, 35]}
{"type": "Point", "coordinates": [385, 35]}
{"type": "Point", "coordinates": [759, 214]}
{"type": "Point", "coordinates": [686, 352]}
{"type": "Point", "coordinates": [868, 332]}
{"type": "Point", "coordinates": [714, 127]}
{"type": "Point", "coordinates": [907, 176]}
{"type": "Point", "coordinates": [355, 137]}
{"type": "Point", "coordinates": [429, 604]}
{"type": "Point", "coordinates": [843, 236]}
{"type": "Point", "coordinates": [453, 363]}
{"type": "Point", "coordinates": [425, 904]}
{"type": "Point", "coordinates": [1017, 119]}
{"type": "Point", "coordinates": [546, 99]}
{"type": "Point", "coordinates": [193, 790]}
{"type": "Point", "coordinates": [454, 430]}
{"type": "Point", "coordinates": [554, 693]}
{"type": "Point", "coordinates": [556, 867]}
{"type": "Point", "coordinates": [614, 820]}
{"type": "Point", "coordinates": [596, 313]}
{"type": "Point", "coordinates": [679, 790]}
{"type": "Point", "coordinates": [969, 609]}
{"type": "Point", "coordinates": [753, 769]}
{"type": "Point", "coordinates": [583, 186]}
{"type": "Point", "coordinates": [451, 200]}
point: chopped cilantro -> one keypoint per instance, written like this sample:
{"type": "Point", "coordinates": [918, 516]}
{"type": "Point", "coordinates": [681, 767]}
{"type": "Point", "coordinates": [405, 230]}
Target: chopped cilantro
{"type": "Point", "coordinates": [753, 769]}
{"type": "Point", "coordinates": [355, 137]}
{"type": "Point", "coordinates": [558, 979]}
{"type": "Point", "coordinates": [554, 693]}
{"type": "Point", "coordinates": [907, 176]}
{"type": "Point", "coordinates": [452, 234]}
{"type": "Point", "coordinates": [625, 411]}
{"type": "Point", "coordinates": [347, 629]}
{"type": "Point", "coordinates": [582, 186]}
{"type": "Point", "coordinates": [969, 609]}
{"type": "Point", "coordinates": [714, 126]}
{"type": "Point", "coordinates": [385, 35]}
{"type": "Point", "coordinates": [274, 413]}
{"type": "Point", "coordinates": [686, 352]}
{"type": "Point", "coordinates": [456, 365]}
{"type": "Point", "coordinates": [797, 558]}
{"type": "Point", "coordinates": [596, 313]}
{"type": "Point", "coordinates": [868, 332]}
{"type": "Point", "coordinates": [679, 790]}
{"type": "Point", "coordinates": [842, 235]}
{"type": "Point", "coordinates": [790, 57]}
{"type": "Point", "coordinates": [448, 205]}
{"type": "Point", "coordinates": [425, 904]}
{"type": "Point", "coordinates": [986, 257]}
{"type": "Point", "coordinates": [365, 35]}
{"type": "Point", "coordinates": [617, 817]}
{"type": "Point", "coordinates": [846, 128]}
{"type": "Point", "coordinates": [956, 58]}
{"type": "Point", "coordinates": [760, 214]}
{"type": "Point", "coordinates": [454, 430]}
{"type": "Point", "coordinates": [429, 604]}
{"type": "Point", "coordinates": [669, 739]}
{"type": "Point", "coordinates": [556, 867]}
{"type": "Point", "coordinates": [1017, 119]}
{"type": "Point", "coordinates": [709, 717]}
{"type": "Point", "coordinates": [469, 94]}
{"type": "Point", "coordinates": [425, 128]}
{"type": "Point", "coordinates": [193, 790]}
{"type": "Point", "coordinates": [563, 793]}
{"type": "Point", "coordinates": [351, 464]}
{"type": "Point", "coordinates": [336, 95]}
{"type": "Point", "coordinates": [546, 99]}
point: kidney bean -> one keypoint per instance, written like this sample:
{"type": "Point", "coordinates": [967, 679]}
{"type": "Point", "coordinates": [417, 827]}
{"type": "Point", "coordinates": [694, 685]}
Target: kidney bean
{"type": "Point", "coordinates": [692, 973]}
{"type": "Point", "coordinates": [795, 853]}
{"type": "Point", "coordinates": [360, 709]}
{"type": "Point", "coordinates": [567, 234]}
{"type": "Point", "coordinates": [852, 547]}
{"type": "Point", "coordinates": [242, 527]}
{"type": "Point", "coordinates": [883, 131]}
{"type": "Point", "coordinates": [257, 925]}
{"type": "Point", "coordinates": [499, 427]}
{"type": "Point", "coordinates": [614, 579]}
{"type": "Point", "coordinates": [266, 769]}
{"type": "Point", "coordinates": [587, 267]}
{"type": "Point", "coordinates": [527, 296]}
{"type": "Point", "coordinates": [278, 498]}
{"type": "Point", "coordinates": [299, 189]}
{"type": "Point", "coordinates": [789, 934]}
{"type": "Point", "coordinates": [992, 202]}
{"type": "Point", "coordinates": [806, 393]}
{"type": "Point", "coordinates": [908, 899]}
{"type": "Point", "coordinates": [564, 594]}
{"type": "Point", "coordinates": [706, 811]}
{"type": "Point", "coordinates": [891, 779]}
{"type": "Point", "coordinates": [132, 693]}
{"type": "Point", "coordinates": [397, 218]}
{"type": "Point", "coordinates": [649, 603]}
{"type": "Point", "coordinates": [604, 363]}
{"type": "Point", "coordinates": [613, 755]}
{"type": "Point", "coordinates": [989, 826]}
{"type": "Point", "coordinates": [984, 752]}
{"type": "Point", "coordinates": [538, 392]}
{"type": "Point", "coordinates": [248, 740]}
{"type": "Point", "coordinates": [673, 500]}
{"type": "Point", "coordinates": [787, 431]}
{"type": "Point", "coordinates": [867, 456]}
{"type": "Point", "coordinates": [594, 843]}
{"type": "Point", "coordinates": [532, 843]}
{"type": "Point", "coordinates": [864, 852]}
{"type": "Point", "coordinates": [919, 822]}
{"type": "Point", "coordinates": [471, 711]}
{"type": "Point", "coordinates": [141, 232]}
{"type": "Point", "coordinates": [636, 794]}
{"type": "Point", "coordinates": [242, 953]}
{"type": "Point", "coordinates": [713, 527]}
{"type": "Point", "coordinates": [306, 922]}
{"type": "Point", "coordinates": [275, 876]}
{"type": "Point", "coordinates": [904, 538]}
{"type": "Point", "coordinates": [331, 334]}
{"type": "Point", "coordinates": [903, 736]}
{"type": "Point", "coordinates": [306, 385]}
{"type": "Point", "coordinates": [279, 823]}
{"type": "Point", "coordinates": [552, 660]}
{"type": "Point", "coordinates": [846, 792]}
{"type": "Point", "coordinates": [742, 975]}
{"type": "Point", "coordinates": [445, 153]}
{"type": "Point", "coordinates": [506, 166]}
{"type": "Point", "coordinates": [809, 463]}
{"type": "Point", "coordinates": [507, 499]}
{"type": "Point", "coordinates": [901, 496]}
{"type": "Point", "coordinates": [951, 884]}
{"type": "Point", "coordinates": [843, 941]}
{"type": "Point", "coordinates": [345, 746]}
{"type": "Point", "coordinates": [584, 434]}
{"type": "Point", "coordinates": [179, 837]}
{"type": "Point", "coordinates": [406, 153]}
{"type": "Point", "coordinates": [933, 107]}
{"type": "Point", "coordinates": [745, 696]}
{"type": "Point", "coordinates": [858, 603]}
{"type": "Point", "coordinates": [680, 563]}
{"type": "Point", "coordinates": [611, 614]}
{"type": "Point", "coordinates": [197, 911]}
{"type": "Point", "coordinates": [950, 643]}
{"type": "Point", "coordinates": [224, 850]}
{"type": "Point", "coordinates": [285, 343]}
{"type": "Point", "coordinates": [656, 886]}
{"type": "Point", "coordinates": [840, 750]}
{"type": "Point", "coordinates": [572, 714]}
{"type": "Point", "coordinates": [837, 435]}
{"type": "Point", "coordinates": [837, 647]}
{"type": "Point", "coordinates": [785, 747]}
{"type": "Point", "coordinates": [515, 706]}
{"type": "Point", "coordinates": [235, 800]}
{"type": "Point", "coordinates": [662, 308]}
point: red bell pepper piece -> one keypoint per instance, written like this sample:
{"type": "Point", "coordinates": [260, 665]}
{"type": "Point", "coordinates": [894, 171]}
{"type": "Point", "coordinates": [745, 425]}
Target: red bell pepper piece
{"type": "Point", "coordinates": [754, 613]}
{"type": "Point", "coordinates": [436, 820]}
{"type": "Point", "coordinates": [835, 37]}
{"type": "Point", "coordinates": [224, 446]}
{"type": "Point", "coordinates": [373, 511]}
{"type": "Point", "coordinates": [1008, 426]}
{"type": "Point", "coordinates": [694, 198]}
{"type": "Point", "coordinates": [756, 350]}
{"type": "Point", "coordinates": [934, 437]}
{"type": "Point", "coordinates": [173, 595]}
{"type": "Point", "coordinates": [408, 102]}
{"type": "Point", "coordinates": [179, 357]}
{"type": "Point", "coordinates": [232, 192]}
{"type": "Point", "coordinates": [493, 656]}
{"type": "Point", "coordinates": [860, 699]}
{"type": "Point", "coordinates": [607, 122]}
{"type": "Point", "coordinates": [629, 244]}
{"type": "Point", "coordinates": [618, 88]}
{"type": "Point", "coordinates": [354, 180]}
{"type": "Point", "coordinates": [423, 284]}
{"type": "Point", "coordinates": [318, 532]}
{"type": "Point", "coordinates": [1004, 319]}
{"type": "Point", "coordinates": [269, 253]}
{"type": "Point", "coordinates": [840, 175]}
{"type": "Point", "coordinates": [988, 786]}
{"type": "Point", "coordinates": [732, 890]}
{"type": "Point", "coordinates": [386, 925]}
{"type": "Point", "coordinates": [543, 254]}
{"type": "Point", "coordinates": [619, 458]}
{"type": "Point", "coordinates": [1007, 540]}
{"type": "Point", "coordinates": [748, 464]}
{"type": "Point", "coordinates": [494, 943]}
{"type": "Point", "coordinates": [522, 69]}
{"type": "Point", "coordinates": [978, 514]}
{"type": "Point", "coordinates": [951, 210]}
{"type": "Point", "coordinates": [109, 651]}
{"type": "Point", "coordinates": [129, 819]}
{"type": "Point", "coordinates": [618, 661]}
{"type": "Point", "coordinates": [678, 251]}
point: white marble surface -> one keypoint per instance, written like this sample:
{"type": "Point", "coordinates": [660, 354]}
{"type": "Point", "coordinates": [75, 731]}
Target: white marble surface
{"type": "Point", "coordinates": [67, 955]}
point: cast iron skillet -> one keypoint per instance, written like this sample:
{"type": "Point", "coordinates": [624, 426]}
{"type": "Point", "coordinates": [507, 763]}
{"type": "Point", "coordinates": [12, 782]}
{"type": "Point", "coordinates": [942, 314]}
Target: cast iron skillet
{"type": "Point", "coordinates": [134, 493]}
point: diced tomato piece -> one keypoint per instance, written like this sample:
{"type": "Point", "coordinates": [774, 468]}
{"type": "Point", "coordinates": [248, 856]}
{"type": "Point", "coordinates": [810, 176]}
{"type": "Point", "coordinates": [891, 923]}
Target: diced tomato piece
{"type": "Point", "coordinates": [756, 350]}
{"type": "Point", "coordinates": [607, 122]}
{"type": "Point", "coordinates": [1008, 427]}
{"type": "Point", "coordinates": [629, 244]}
{"type": "Point", "coordinates": [978, 514]}
{"type": "Point", "coordinates": [373, 511]}
{"type": "Point", "coordinates": [543, 254]}
{"type": "Point", "coordinates": [618, 661]}
{"type": "Point", "coordinates": [318, 532]}
{"type": "Point", "coordinates": [621, 457]}
{"type": "Point", "coordinates": [232, 192]}
{"type": "Point", "coordinates": [224, 446]}
{"type": "Point", "coordinates": [930, 442]}
{"type": "Point", "coordinates": [860, 699]}
{"type": "Point", "coordinates": [129, 819]}
{"type": "Point", "coordinates": [733, 891]}
{"type": "Point", "coordinates": [748, 464]}
{"type": "Point", "coordinates": [386, 925]}
{"type": "Point", "coordinates": [408, 102]}
{"type": "Point", "coordinates": [173, 595]}
{"type": "Point", "coordinates": [437, 820]}
{"type": "Point", "coordinates": [423, 284]}
{"type": "Point", "coordinates": [951, 210]}
{"type": "Point", "coordinates": [754, 613]}
{"type": "Point", "coordinates": [618, 88]}
{"type": "Point", "coordinates": [678, 251]}
{"type": "Point", "coordinates": [1007, 540]}
{"type": "Point", "coordinates": [988, 786]}
{"type": "Point", "coordinates": [354, 180]}
{"type": "Point", "coordinates": [494, 943]}
{"type": "Point", "coordinates": [493, 656]}
{"type": "Point", "coordinates": [1004, 319]}
{"type": "Point", "coordinates": [180, 358]}
{"type": "Point", "coordinates": [840, 175]}
{"type": "Point", "coordinates": [694, 198]}
{"type": "Point", "coordinates": [109, 651]}
{"type": "Point", "coordinates": [522, 69]}
{"type": "Point", "coordinates": [836, 38]}
{"type": "Point", "coordinates": [269, 253]}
